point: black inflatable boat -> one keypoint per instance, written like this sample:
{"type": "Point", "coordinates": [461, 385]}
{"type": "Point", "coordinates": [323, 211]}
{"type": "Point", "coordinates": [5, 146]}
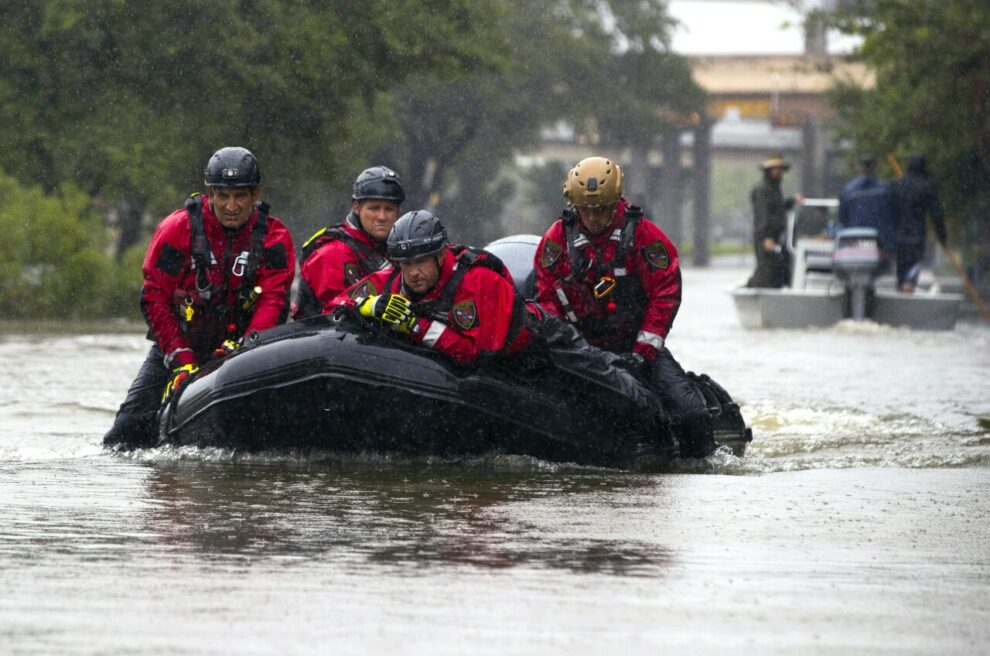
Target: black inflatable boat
{"type": "Point", "coordinates": [340, 383]}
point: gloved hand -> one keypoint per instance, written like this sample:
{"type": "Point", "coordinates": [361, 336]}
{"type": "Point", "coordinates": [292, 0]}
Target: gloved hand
{"type": "Point", "coordinates": [405, 325]}
{"type": "Point", "coordinates": [373, 307]}
{"type": "Point", "coordinates": [393, 309]}
{"type": "Point", "coordinates": [398, 313]}
{"type": "Point", "coordinates": [180, 375]}
{"type": "Point", "coordinates": [225, 349]}
{"type": "Point", "coordinates": [648, 352]}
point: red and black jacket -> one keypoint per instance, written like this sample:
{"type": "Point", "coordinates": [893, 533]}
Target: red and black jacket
{"type": "Point", "coordinates": [332, 260]}
{"type": "Point", "coordinates": [472, 314]}
{"type": "Point", "coordinates": [204, 284]}
{"type": "Point", "coordinates": [621, 288]}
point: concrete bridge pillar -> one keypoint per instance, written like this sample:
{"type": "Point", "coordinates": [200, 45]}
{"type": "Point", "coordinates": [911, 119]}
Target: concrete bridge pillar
{"type": "Point", "coordinates": [670, 196]}
{"type": "Point", "coordinates": [702, 174]}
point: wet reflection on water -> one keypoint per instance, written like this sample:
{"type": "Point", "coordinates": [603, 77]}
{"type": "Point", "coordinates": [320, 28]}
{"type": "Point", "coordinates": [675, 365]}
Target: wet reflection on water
{"type": "Point", "coordinates": [404, 518]}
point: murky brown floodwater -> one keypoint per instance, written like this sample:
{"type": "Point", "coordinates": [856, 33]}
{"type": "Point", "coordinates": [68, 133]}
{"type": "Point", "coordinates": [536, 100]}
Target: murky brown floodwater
{"type": "Point", "coordinates": [858, 523]}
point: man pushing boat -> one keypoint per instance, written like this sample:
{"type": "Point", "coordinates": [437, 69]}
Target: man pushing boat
{"type": "Point", "coordinates": [215, 270]}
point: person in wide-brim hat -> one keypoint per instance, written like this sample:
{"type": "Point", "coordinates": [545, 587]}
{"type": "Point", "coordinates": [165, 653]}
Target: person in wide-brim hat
{"type": "Point", "coordinates": [775, 161]}
{"type": "Point", "coordinates": [770, 225]}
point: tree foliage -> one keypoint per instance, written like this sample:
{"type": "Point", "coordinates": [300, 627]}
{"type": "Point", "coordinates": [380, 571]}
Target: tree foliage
{"type": "Point", "coordinates": [53, 262]}
{"type": "Point", "coordinates": [123, 101]}
{"type": "Point", "coordinates": [601, 66]}
{"type": "Point", "coordinates": [932, 92]}
{"type": "Point", "coordinates": [129, 98]}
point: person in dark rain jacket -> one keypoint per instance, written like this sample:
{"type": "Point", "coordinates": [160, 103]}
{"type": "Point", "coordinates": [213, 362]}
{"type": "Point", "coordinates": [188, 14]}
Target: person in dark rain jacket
{"type": "Point", "coordinates": [867, 202]}
{"type": "Point", "coordinates": [770, 225]}
{"type": "Point", "coordinates": [915, 199]}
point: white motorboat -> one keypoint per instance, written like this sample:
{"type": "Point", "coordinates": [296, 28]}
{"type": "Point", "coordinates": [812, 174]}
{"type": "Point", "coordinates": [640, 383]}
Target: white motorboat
{"type": "Point", "coordinates": [836, 275]}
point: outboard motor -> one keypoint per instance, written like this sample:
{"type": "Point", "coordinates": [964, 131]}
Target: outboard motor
{"type": "Point", "coordinates": [857, 262]}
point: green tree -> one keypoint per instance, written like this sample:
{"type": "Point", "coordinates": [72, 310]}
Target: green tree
{"type": "Point", "coordinates": [603, 67]}
{"type": "Point", "coordinates": [129, 98]}
{"type": "Point", "coordinates": [52, 257]}
{"type": "Point", "coordinates": [932, 95]}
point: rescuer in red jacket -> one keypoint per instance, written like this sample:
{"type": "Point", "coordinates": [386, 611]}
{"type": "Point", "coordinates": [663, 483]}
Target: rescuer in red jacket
{"type": "Point", "coordinates": [457, 300]}
{"type": "Point", "coordinates": [338, 256]}
{"type": "Point", "coordinates": [607, 269]}
{"type": "Point", "coordinates": [214, 271]}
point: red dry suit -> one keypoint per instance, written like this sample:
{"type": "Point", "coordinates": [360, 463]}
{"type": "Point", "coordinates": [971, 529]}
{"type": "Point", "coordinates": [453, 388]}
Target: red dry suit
{"type": "Point", "coordinates": [198, 293]}
{"type": "Point", "coordinates": [473, 312]}
{"type": "Point", "coordinates": [621, 288]}
{"type": "Point", "coordinates": [333, 259]}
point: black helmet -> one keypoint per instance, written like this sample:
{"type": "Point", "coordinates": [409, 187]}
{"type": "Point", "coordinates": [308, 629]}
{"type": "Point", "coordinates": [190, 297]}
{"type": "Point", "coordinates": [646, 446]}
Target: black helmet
{"type": "Point", "coordinates": [379, 182]}
{"type": "Point", "coordinates": [232, 167]}
{"type": "Point", "coordinates": [416, 234]}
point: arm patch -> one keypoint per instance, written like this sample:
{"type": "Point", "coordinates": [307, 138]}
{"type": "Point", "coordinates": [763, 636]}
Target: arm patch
{"type": "Point", "coordinates": [275, 257]}
{"type": "Point", "coordinates": [170, 260]}
{"type": "Point", "coordinates": [551, 251]}
{"type": "Point", "coordinates": [656, 255]}
{"type": "Point", "coordinates": [465, 314]}
{"type": "Point", "coordinates": [364, 290]}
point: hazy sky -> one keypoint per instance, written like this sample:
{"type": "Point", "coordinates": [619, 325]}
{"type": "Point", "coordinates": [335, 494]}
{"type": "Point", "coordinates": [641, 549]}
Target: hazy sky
{"type": "Point", "coordinates": [721, 27]}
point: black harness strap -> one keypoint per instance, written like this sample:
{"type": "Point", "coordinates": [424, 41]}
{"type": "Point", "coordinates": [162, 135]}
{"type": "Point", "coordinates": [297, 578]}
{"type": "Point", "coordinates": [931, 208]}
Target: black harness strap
{"type": "Point", "coordinates": [369, 259]}
{"type": "Point", "coordinates": [633, 215]}
{"type": "Point", "coordinates": [579, 265]}
{"type": "Point", "coordinates": [199, 246]}
{"type": "Point", "coordinates": [574, 254]}
{"type": "Point", "coordinates": [201, 255]}
{"type": "Point", "coordinates": [257, 246]}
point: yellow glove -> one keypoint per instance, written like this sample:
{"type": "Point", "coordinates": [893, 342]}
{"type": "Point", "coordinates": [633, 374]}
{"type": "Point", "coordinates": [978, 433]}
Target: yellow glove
{"type": "Point", "coordinates": [405, 325]}
{"type": "Point", "coordinates": [392, 309]}
{"type": "Point", "coordinates": [225, 349]}
{"type": "Point", "coordinates": [180, 375]}
{"type": "Point", "coordinates": [397, 309]}
{"type": "Point", "coordinates": [373, 306]}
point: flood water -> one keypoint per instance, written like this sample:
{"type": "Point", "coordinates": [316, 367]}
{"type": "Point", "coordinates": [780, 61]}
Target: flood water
{"type": "Point", "coordinates": [859, 521]}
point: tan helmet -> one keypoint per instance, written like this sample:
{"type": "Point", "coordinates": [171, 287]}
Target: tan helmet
{"type": "Point", "coordinates": [594, 182]}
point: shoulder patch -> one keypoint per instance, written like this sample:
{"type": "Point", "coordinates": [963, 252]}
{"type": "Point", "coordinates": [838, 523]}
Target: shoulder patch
{"type": "Point", "coordinates": [170, 260]}
{"type": "Point", "coordinates": [364, 290]}
{"type": "Point", "coordinates": [465, 314]}
{"type": "Point", "coordinates": [551, 251]}
{"type": "Point", "coordinates": [656, 255]}
{"type": "Point", "coordinates": [352, 273]}
{"type": "Point", "coordinates": [276, 258]}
